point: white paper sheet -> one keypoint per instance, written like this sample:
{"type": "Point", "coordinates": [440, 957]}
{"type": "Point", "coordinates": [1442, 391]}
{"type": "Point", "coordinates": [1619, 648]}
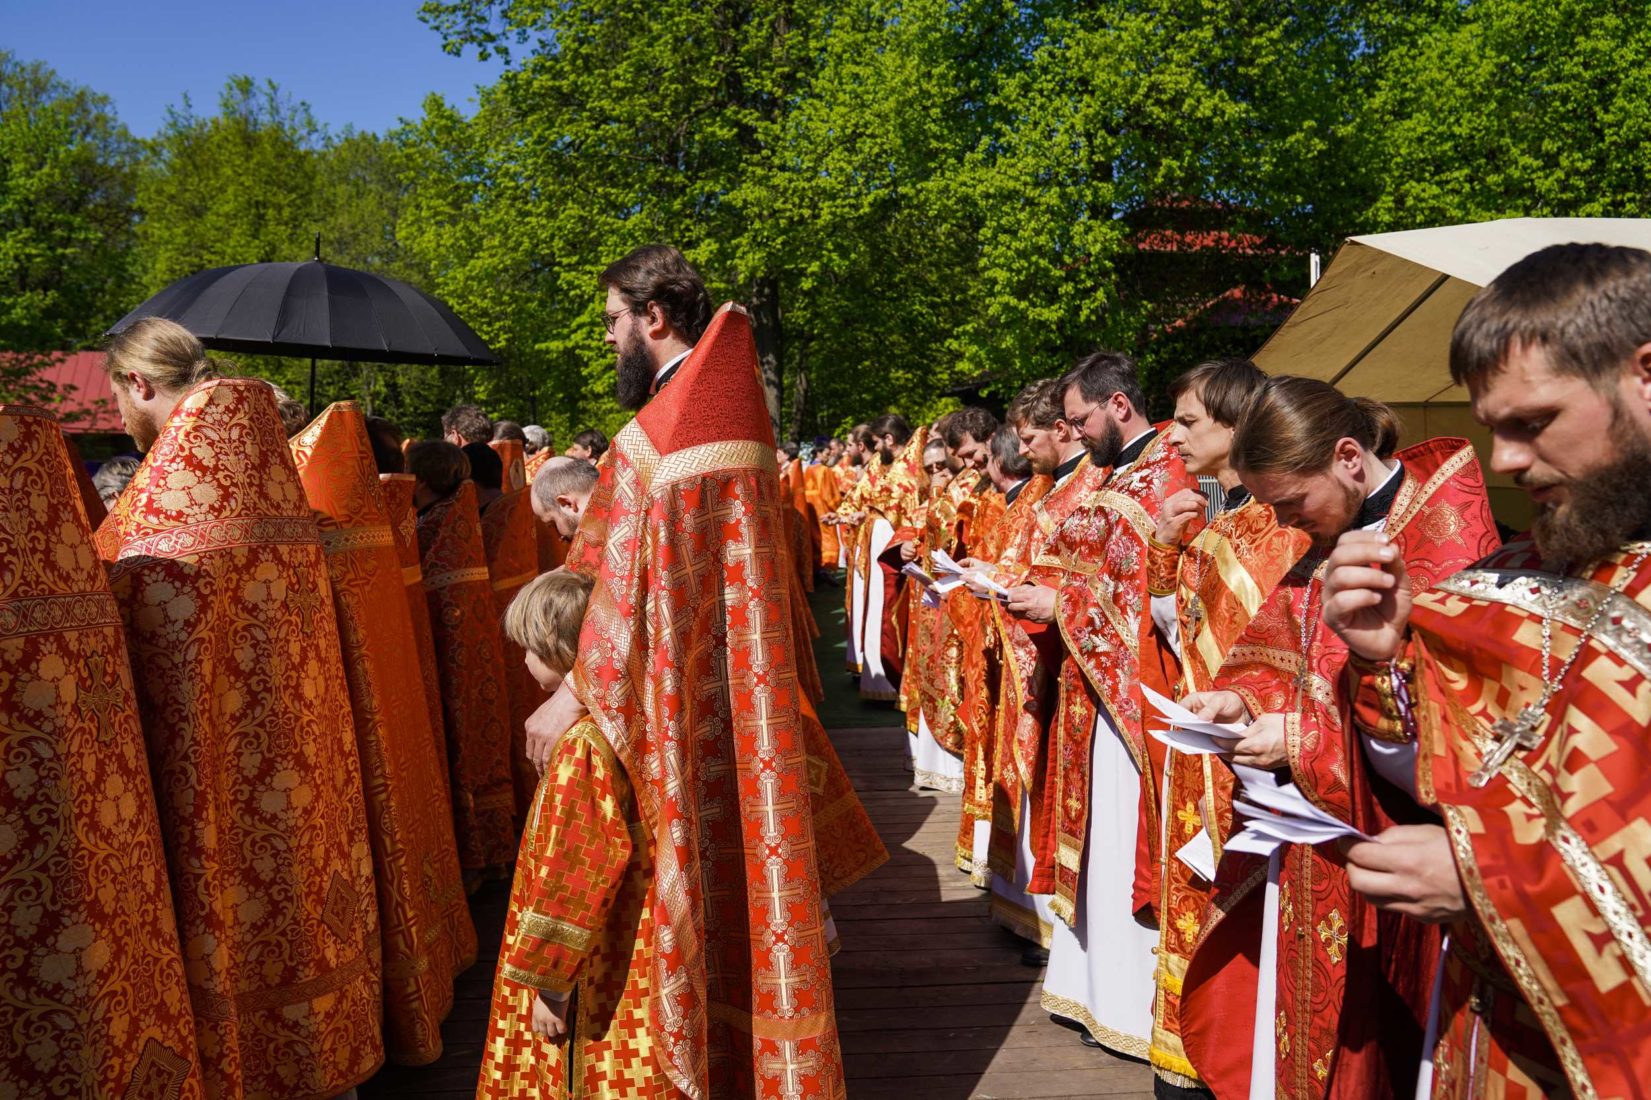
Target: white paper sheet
{"type": "Point", "coordinates": [947, 567]}
{"type": "Point", "coordinates": [1181, 718]}
{"type": "Point", "coordinates": [1199, 854]}
{"type": "Point", "coordinates": [1187, 741]}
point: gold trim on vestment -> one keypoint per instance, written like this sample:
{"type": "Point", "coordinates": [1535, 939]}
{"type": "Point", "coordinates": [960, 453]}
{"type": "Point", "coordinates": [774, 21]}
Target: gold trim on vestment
{"type": "Point", "coordinates": [215, 534]}
{"type": "Point", "coordinates": [506, 583]}
{"type": "Point", "coordinates": [58, 613]}
{"type": "Point", "coordinates": [338, 540]}
{"type": "Point", "coordinates": [1129, 1045]}
{"type": "Point", "coordinates": [1519, 968]}
{"type": "Point", "coordinates": [1625, 630]}
{"type": "Point", "coordinates": [437, 581]}
{"type": "Point", "coordinates": [763, 1027]}
{"type": "Point", "coordinates": [217, 1006]}
{"type": "Point", "coordinates": [560, 932]}
{"type": "Point", "coordinates": [412, 574]}
{"type": "Point", "coordinates": [535, 980]}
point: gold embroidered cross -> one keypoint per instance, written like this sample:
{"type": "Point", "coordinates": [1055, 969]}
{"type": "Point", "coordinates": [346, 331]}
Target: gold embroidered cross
{"type": "Point", "coordinates": [788, 1065]}
{"type": "Point", "coordinates": [1188, 817]}
{"type": "Point", "coordinates": [307, 603]}
{"type": "Point", "coordinates": [102, 698]}
{"type": "Point", "coordinates": [1333, 934]}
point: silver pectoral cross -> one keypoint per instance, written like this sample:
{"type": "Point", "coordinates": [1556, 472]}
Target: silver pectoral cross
{"type": "Point", "coordinates": [1517, 735]}
{"type": "Point", "coordinates": [1195, 612]}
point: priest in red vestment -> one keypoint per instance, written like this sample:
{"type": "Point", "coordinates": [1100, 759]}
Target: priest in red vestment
{"type": "Point", "coordinates": [1098, 815]}
{"type": "Point", "coordinates": [424, 918]}
{"type": "Point", "coordinates": [686, 666]}
{"type": "Point", "coordinates": [220, 573]}
{"type": "Point", "coordinates": [396, 494]}
{"type": "Point", "coordinates": [1524, 685]}
{"type": "Point", "coordinates": [1206, 585]}
{"type": "Point", "coordinates": [1340, 1007]}
{"type": "Point", "coordinates": [89, 933]}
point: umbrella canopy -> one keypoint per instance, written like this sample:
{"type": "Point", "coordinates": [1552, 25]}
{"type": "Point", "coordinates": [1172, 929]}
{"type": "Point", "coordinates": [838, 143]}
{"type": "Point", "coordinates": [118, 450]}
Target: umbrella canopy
{"type": "Point", "coordinates": [315, 310]}
{"type": "Point", "coordinates": [1378, 323]}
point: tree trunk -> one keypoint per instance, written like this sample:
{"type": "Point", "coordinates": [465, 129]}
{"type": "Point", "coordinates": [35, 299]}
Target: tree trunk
{"type": "Point", "coordinates": [799, 397]}
{"type": "Point", "coordinates": [766, 325]}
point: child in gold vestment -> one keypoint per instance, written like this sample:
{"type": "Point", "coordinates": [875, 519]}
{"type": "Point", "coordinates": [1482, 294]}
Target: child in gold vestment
{"type": "Point", "coordinates": [570, 1002]}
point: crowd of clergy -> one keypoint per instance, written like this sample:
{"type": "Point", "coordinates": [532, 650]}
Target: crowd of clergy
{"type": "Point", "coordinates": [1301, 776]}
{"type": "Point", "coordinates": [1298, 775]}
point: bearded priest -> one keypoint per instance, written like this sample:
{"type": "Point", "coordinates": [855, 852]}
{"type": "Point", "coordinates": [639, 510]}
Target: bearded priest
{"type": "Point", "coordinates": [1522, 686]}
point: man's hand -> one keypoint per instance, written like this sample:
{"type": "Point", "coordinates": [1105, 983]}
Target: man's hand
{"type": "Point", "coordinates": [975, 565]}
{"type": "Point", "coordinates": [1367, 595]}
{"type": "Point", "coordinates": [1217, 706]}
{"type": "Point", "coordinates": [909, 551]}
{"type": "Point", "coordinates": [1260, 745]}
{"type": "Point", "coordinates": [1034, 602]}
{"type": "Point", "coordinates": [1179, 510]}
{"type": "Point", "coordinates": [1410, 870]}
{"type": "Point", "coordinates": [831, 519]}
{"type": "Point", "coordinates": [550, 1017]}
{"type": "Point", "coordinates": [546, 725]}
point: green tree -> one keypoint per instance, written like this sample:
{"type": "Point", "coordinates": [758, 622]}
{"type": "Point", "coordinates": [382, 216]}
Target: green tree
{"type": "Point", "coordinates": [67, 169]}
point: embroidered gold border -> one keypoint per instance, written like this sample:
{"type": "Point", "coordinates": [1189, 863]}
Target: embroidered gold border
{"type": "Point", "coordinates": [439, 581]}
{"type": "Point", "coordinates": [1066, 1008]}
{"type": "Point", "coordinates": [1570, 600]}
{"type": "Point", "coordinates": [552, 930]}
{"type": "Point", "coordinates": [357, 538]}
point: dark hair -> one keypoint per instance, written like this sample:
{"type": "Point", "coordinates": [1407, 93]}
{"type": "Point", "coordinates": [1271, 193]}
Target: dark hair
{"type": "Point", "coordinates": [509, 429]}
{"type": "Point", "coordinates": [467, 422]}
{"type": "Point", "coordinates": [791, 449]}
{"type": "Point", "coordinates": [972, 421]}
{"type": "Point", "coordinates": [593, 441]}
{"type": "Point", "coordinates": [486, 467]}
{"type": "Point", "coordinates": [861, 434]}
{"type": "Point", "coordinates": [1292, 425]}
{"type": "Point", "coordinates": [1587, 305]}
{"type": "Point", "coordinates": [658, 273]}
{"type": "Point", "coordinates": [1038, 405]}
{"type": "Point", "coordinates": [1223, 386]}
{"type": "Point", "coordinates": [439, 465]}
{"type": "Point", "coordinates": [1101, 374]}
{"type": "Point", "coordinates": [891, 424]}
{"type": "Point", "coordinates": [386, 440]}
{"type": "Point", "coordinates": [295, 415]}
{"type": "Point", "coordinates": [1006, 449]}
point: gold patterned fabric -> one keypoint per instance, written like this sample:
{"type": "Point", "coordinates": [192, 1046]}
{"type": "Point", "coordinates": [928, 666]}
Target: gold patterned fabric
{"type": "Point", "coordinates": [512, 548]}
{"type": "Point", "coordinates": [396, 494]}
{"type": "Point", "coordinates": [580, 923]}
{"type": "Point", "coordinates": [424, 920]}
{"type": "Point", "coordinates": [218, 568]}
{"type": "Point", "coordinates": [95, 1001]}
{"type": "Point", "coordinates": [686, 665]}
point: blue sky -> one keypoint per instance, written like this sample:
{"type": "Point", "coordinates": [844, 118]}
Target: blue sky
{"type": "Point", "coordinates": [365, 63]}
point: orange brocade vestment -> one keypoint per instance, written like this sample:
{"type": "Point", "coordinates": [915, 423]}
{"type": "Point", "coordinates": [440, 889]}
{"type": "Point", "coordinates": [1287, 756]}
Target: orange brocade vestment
{"type": "Point", "coordinates": [581, 922]}
{"type": "Point", "coordinates": [1217, 582]}
{"type": "Point", "coordinates": [1545, 981]}
{"type": "Point", "coordinates": [218, 567]}
{"type": "Point", "coordinates": [396, 493]}
{"type": "Point", "coordinates": [1352, 982]}
{"type": "Point", "coordinates": [427, 934]}
{"type": "Point", "coordinates": [475, 702]}
{"type": "Point", "coordinates": [88, 932]}
{"type": "Point", "coordinates": [687, 664]}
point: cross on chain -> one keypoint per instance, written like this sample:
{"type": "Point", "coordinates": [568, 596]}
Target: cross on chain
{"type": "Point", "coordinates": [1515, 735]}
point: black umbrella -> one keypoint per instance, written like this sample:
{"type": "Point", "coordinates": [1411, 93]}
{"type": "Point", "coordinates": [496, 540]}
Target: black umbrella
{"type": "Point", "coordinates": [317, 310]}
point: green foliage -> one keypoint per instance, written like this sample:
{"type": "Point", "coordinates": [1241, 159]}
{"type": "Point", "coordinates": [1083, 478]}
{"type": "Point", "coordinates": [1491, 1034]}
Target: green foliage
{"type": "Point", "coordinates": [910, 195]}
{"type": "Point", "coordinates": [66, 180]}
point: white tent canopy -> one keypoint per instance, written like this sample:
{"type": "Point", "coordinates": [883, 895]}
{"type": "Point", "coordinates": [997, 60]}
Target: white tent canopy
{"type": "Point", "coordinates": [1378, 323]}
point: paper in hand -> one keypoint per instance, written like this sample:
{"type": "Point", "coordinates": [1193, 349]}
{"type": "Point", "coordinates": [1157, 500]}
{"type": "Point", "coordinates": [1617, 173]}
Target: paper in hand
{"type": "Point", "coordinates": [1180, 718]}
{"type": "Point", "coordinates": [945, 564]}
{"type": "Point", "coordinates": [1275, 812]}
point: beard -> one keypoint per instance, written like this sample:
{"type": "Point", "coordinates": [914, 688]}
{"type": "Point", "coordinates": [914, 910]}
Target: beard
{"type": "Point", "coordinates": [633, 376]}
{"type": "Point", "coordinates": [1105, 450]}
{"type": "Point", "coordinates": [1606, 508]}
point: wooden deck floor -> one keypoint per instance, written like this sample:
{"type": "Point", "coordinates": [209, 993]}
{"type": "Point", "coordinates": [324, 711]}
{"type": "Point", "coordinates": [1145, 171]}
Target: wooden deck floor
{"type": "Point", "coordinates": [932, 1000]}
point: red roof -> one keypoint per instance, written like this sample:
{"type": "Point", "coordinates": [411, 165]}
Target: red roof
{"type": "Point", "coordinates": [87, 401]}
{"type": "Point", "coordinates": [1238, 307]}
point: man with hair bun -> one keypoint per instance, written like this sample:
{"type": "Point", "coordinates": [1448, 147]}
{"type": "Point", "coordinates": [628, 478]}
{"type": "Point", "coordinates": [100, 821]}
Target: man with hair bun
{"type": "Point", "coordinates": [218, 565]}
{"type": "Point", "coordinates": [1521, 683]}
{"type": "Point", "coordinates": [1341, 992]}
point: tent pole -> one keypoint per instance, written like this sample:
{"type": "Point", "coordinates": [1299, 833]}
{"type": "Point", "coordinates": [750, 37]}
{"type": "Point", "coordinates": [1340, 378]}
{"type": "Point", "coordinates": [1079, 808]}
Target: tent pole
{"type": "Point", "coordinates": [312, 387]}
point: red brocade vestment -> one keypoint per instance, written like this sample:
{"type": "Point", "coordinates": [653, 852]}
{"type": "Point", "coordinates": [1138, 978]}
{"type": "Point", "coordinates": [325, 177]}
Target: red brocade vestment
{"type": "Point", "coordinates": [424, 920]}
{"type": "Point", "coordinates": [219, 570]}
{"type": "Point", "coordinates": [980, 672]}
{"type": "Point", "coordinates": [396, 492]}
{"type": "Point", "coordinates": [581, 922]}
{"type": "Point", "coordinates": [88, 933]}
{"type": "Point", "coordinates": [475, 701]}
{"type": "Point", "coordinates": [1334, 949]}
{"type": "Point", "coordinates": [687, 664]}
{"type": "Point", "coordinates": [1103, 613]}
{"type": "Point", "coordinates": [1217, 580]}
{"type": "Point", "coordinates": [1546, 982]}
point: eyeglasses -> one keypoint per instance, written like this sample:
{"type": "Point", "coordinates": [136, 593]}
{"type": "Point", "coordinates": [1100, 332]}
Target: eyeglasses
{"type": "Point", "coordinates": [610, 319]}
{"type": "Point", "coordinates": [1077, 422]}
